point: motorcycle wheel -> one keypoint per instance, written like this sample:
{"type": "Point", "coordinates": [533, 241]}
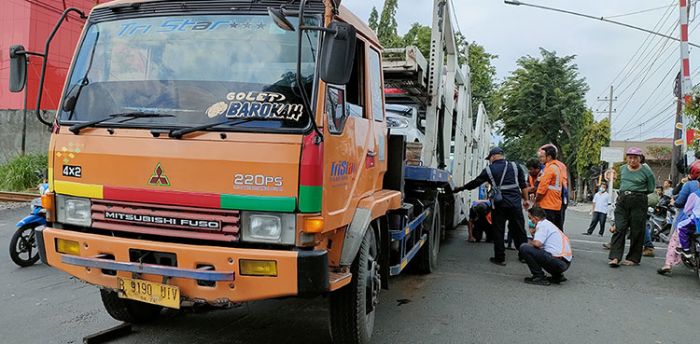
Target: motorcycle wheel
{"type": "Point", "coordinates": [23, 250]}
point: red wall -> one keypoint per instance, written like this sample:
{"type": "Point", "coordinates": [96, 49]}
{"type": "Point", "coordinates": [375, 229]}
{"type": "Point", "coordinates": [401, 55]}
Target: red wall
{"type": "Point", "coordinates": [29, 23]}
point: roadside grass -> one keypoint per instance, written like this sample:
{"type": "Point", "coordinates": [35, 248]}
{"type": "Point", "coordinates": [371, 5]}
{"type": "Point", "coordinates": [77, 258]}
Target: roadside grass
{"type": "Point", "coordinates": [20, 172]}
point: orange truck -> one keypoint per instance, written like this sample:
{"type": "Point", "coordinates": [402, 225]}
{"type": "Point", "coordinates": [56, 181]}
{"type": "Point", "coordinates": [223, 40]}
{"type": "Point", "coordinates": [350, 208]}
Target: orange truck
{"type": "Point", "coordinates": [218, 152]}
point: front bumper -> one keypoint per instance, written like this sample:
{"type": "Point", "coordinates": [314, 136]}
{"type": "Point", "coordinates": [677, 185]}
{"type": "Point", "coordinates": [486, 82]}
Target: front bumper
{"type": "Point", "coordinates": [298, 272]}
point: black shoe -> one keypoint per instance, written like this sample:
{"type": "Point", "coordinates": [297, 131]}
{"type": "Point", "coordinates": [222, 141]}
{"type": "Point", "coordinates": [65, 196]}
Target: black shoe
{"type": "Point", "coordinates": [497, 262]}
{"type": "Point", "coordinates": [600, 235]}
{"type": "Point", "coordinates": [585, 233]}
{"type": "Point", "coordinates": [557, 279]}
{"type": "Point", "coordinates": [522, 260]}
{"type": "Point", "coordinates": [536, 280]}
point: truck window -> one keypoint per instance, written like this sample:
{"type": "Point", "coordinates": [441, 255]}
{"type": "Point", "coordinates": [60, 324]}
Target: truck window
{"type": "Point", "coordinates": [375, 79]}
{"type": "Point", "coordinates": [335, 108]}
{"type": "Point", "coordinates": [199, 69]}
{"type": "Point", "coordinates": [354, 90]}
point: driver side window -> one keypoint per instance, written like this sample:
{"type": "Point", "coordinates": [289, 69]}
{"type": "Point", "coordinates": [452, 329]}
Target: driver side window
{"type": "Point", "coordinates": [335, 108]}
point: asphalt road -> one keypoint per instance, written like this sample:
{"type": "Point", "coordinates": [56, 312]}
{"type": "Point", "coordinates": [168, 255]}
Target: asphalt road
{"type": "Point", "coordinates": [468, 300]}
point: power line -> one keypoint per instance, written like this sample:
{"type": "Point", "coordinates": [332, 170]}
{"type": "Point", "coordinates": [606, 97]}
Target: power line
{"type": "Point", "coordinates": [658, 86]}
{"type": "Point", "coordinates": [662, 20]}
{"type": "Point", "coordinates": [646, 55]}
{"type": "Point", "coordinates": [638, 12]}
{"type": "Point", "coordinates": [518, 3]}
{"type": "Point", "coordinates": [644, 73]}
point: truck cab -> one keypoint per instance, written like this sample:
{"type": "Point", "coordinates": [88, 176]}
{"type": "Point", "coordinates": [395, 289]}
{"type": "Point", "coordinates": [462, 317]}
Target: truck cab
{"type": "Point", "coordinates": [208, 152]}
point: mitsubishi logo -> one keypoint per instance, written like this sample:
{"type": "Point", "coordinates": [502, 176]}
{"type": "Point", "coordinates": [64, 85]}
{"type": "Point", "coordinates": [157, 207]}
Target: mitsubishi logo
{"type": "Point", "coordinates": [158, 178]}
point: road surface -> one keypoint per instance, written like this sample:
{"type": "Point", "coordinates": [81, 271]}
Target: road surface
{"type": "Point", "coordinates": [468, 300]}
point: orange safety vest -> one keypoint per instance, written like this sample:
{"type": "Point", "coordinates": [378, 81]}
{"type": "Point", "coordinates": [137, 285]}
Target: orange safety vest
{"type": "Point", "coordinates": [551, 187]}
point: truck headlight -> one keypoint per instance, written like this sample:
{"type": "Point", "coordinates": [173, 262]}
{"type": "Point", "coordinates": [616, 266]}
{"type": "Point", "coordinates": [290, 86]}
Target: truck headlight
{"type": "Point", "coordinates": [73, 210]}
{"type": "Point", "coordinates": [276, 228]}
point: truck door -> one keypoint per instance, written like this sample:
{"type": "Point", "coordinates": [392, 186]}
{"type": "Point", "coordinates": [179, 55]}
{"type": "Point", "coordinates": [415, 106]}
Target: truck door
{"type": "Point", "coordinates": [348, 138]}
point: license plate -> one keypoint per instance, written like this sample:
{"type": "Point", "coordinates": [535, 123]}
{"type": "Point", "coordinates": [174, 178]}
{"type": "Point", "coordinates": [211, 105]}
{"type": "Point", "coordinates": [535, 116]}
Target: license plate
{"type": "Point", "coordinates": [149, 292]}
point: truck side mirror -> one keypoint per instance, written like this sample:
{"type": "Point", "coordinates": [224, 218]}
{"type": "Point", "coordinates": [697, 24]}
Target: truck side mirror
{"type": "Point", "coordinates": [338, 53]}
{"type": "Point", "coordinates": [18, 68]}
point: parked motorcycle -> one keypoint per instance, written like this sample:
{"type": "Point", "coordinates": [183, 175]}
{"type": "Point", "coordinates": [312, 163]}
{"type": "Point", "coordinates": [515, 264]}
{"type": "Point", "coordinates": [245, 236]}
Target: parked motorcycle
{"type": "Point", "coordinates": [23, 245]}
{"type": "Point", "coordinates": [660, 220]}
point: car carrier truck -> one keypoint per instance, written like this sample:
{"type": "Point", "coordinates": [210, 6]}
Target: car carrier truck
{"type": "Point", "coordinates": [224, 151]}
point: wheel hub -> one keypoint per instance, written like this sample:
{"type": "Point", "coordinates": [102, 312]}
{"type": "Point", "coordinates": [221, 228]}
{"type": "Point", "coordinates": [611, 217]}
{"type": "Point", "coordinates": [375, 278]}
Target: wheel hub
{"type": "Point", "coordinates": [374, 284]}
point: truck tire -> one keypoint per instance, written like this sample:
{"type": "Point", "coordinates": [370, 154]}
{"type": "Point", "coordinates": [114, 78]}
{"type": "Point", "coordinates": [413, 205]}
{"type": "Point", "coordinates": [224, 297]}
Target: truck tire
{"type": "Point", "coordinates": [130, 311]}
{"type": "Point", "coordinates": [352, 308]}
{"type": "Point", "coordinates": [426, 259]}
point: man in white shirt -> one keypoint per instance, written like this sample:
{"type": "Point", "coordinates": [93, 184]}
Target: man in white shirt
{"type": "Point", "coordinates": [549, 250]}
{"type": "Point", "coordinates": [601, 201]}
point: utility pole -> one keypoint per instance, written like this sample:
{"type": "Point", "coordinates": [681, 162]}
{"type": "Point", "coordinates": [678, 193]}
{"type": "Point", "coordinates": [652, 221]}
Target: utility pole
{"type": "Point", "coordinates": [679, 143]}
{"type": "Point", "coordinates": [610, 99]}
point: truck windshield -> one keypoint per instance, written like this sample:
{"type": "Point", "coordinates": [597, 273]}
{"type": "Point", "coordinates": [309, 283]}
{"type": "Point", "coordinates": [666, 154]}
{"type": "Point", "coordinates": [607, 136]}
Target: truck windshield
{"type": "Point", "coordinates": [198, 69]}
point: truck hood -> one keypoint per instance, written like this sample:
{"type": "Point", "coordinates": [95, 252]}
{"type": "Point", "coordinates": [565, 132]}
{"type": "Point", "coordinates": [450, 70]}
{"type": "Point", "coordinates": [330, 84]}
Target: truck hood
{"type": "Point", "coordinates": [243, 171]}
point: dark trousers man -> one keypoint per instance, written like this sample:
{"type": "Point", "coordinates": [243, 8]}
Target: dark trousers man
{"type": "Point", "coordinates": [554, 216]}
{"type": "Point", "coordinates": [630, 215]}
{"type": "Point", "coordinates": [516, 226]}
{"type": "Point", "coordinates": [598, 217]}
{"type": "Point", "coordinates": [538, 259]}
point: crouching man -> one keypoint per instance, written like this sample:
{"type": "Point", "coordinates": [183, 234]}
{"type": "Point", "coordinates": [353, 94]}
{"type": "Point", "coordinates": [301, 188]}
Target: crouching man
{"type": "Point", "coordinates": [549, 250]}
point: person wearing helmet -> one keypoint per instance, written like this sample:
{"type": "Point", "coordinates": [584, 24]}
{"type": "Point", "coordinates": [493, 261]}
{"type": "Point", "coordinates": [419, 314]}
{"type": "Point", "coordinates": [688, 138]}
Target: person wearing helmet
{"type": "Point", "coordinates": [636, 182]}
{"type": "Point", "coordinates": [690, 187]}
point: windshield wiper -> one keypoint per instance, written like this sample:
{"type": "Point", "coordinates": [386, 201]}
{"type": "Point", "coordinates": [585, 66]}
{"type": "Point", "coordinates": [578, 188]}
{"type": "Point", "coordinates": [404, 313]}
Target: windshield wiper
{"type": "Point", "coordinates": [178, 134]}
{"type": "Point", "coordinates": [75, 129]}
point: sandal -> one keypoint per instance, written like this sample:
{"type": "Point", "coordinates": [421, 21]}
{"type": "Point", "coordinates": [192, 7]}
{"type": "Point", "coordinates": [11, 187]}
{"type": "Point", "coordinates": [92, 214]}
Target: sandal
{"type": "Point", "coordinates": [664, 271]}
{"type": "Point", "coordinates": [614, 263]}
{"type": "Point", "coordinates": [627, 262]}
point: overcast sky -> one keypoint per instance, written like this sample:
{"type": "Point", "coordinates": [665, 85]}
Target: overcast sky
{"type": "Point", "coordinates": [644, 89]}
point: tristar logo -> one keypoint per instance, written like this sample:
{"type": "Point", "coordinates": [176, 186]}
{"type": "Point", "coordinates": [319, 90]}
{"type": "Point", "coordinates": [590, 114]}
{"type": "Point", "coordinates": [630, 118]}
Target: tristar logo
{"type": "Point", "coordinates": [158, 178]}
{"type": "Point", "coordinates": [163, 220]}
{"type": "Point", "coordinates": [341, 170]}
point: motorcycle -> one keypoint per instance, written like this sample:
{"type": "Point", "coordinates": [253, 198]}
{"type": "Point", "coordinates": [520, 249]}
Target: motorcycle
{"type": "Point", "coordinates": [694, 261]}
{"type": "Point", "coordinates": [23, 245]}
{"type": "Point", "coordinates": [660, 220]}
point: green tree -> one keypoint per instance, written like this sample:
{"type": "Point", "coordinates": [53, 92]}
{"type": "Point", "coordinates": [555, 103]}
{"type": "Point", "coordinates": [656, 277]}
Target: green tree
{"type": "Point", "coordinates": [595, 135]}
{"type": "Point", "coordinates": [387, 28]}
{"type": "Point", "coordinates": [543, 102]}
{"type": "Point", "coordinates": [482, 74]}
{"type": "Point", "coordinates": [419, 36]}
{"type": "Point", "coordinates": [373, 19]}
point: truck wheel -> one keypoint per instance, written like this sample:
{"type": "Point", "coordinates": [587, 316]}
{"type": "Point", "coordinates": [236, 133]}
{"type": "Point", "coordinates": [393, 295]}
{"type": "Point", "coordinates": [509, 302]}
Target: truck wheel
{"type": "Point", "coordinates": [352, 308]}
{"type": "Point", "coordinates": [128, 310]}
{"type": "Point", "coordinates": [426, 259]}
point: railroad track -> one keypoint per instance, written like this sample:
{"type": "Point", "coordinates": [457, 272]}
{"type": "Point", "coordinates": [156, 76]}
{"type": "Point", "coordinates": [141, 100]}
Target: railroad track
{"type": "Point", "coordinates": [16, 196]}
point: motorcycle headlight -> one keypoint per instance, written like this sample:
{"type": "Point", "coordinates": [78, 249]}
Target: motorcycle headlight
{"type": "Point", "coordinates": [73, 210]}
{"type": "Point", "coordinates": [274, 228]}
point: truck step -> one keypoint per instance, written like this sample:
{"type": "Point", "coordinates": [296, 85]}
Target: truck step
{"type": "Point", "coordinates": [338, 280]}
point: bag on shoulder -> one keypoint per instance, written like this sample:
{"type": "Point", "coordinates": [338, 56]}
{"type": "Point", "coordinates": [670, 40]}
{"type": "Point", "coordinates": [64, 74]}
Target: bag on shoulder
{"type": "Point", "coordinates": [495, 194]}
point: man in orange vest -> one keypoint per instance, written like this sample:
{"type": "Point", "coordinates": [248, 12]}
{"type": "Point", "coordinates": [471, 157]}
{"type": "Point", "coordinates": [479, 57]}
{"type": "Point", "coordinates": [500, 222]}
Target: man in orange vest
{"type": "Point", "coordinates": [564, 184]}
{"type": "Point", "coordinates": [549, 191]}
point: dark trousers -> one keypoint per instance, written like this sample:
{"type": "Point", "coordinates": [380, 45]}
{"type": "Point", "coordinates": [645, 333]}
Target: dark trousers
{"type": "Point", "coordinates": [538, 259]}
{"type": "Point", "coordinates": [554, 216]}
{"type": "Point", "coordinates": [598, 217]}
{"type": "Point", "coordinates": [630, 216]}
{"type": "Point", "coordinates": [516, 227]}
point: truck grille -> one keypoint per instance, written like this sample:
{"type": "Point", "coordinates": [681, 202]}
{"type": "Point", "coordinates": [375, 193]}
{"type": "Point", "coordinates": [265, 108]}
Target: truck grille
{"type": "Point", "coordinates": [169, 221]}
